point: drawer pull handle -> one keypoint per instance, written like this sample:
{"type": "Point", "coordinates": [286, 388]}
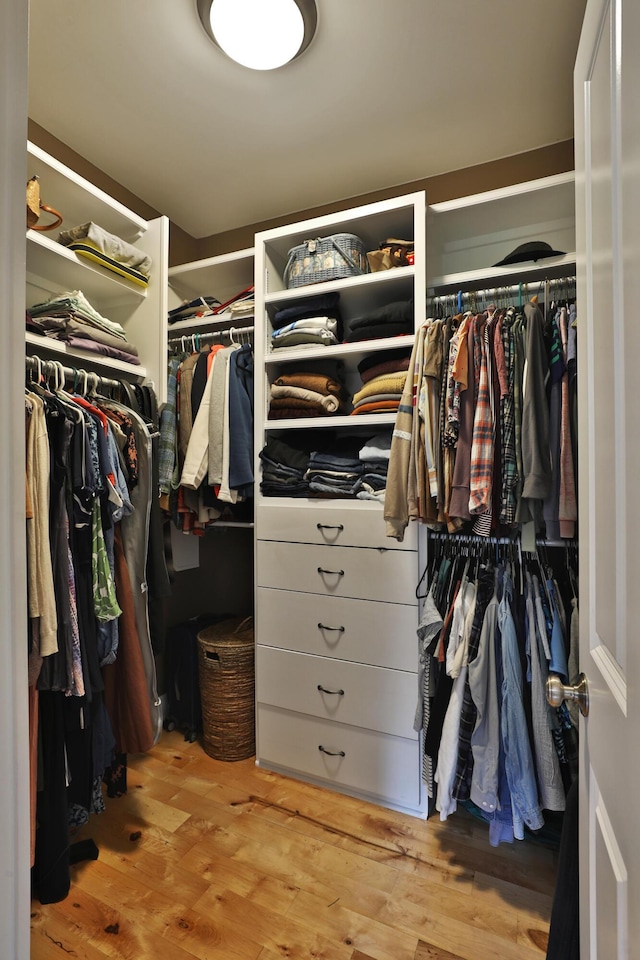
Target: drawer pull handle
{"type": "Point", "coordinates": [331, 753]}
{"type": "Point", "coordinates": [330, 526]}
{"type": "Point", "coordinates": [323, 626]}
{"type": "Point", "coordinates": [333, 573]}
{"type": "Point", "coordinates": [336, 693]}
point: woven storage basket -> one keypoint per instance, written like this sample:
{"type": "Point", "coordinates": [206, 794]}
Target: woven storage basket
{"type": "Point", "coordinates": [226, 664]}
{"type": "Point", "coordinates": [326, 258]}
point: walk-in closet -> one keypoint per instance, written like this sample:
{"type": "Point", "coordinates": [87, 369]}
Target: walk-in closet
{"type": "Point", "coordinates": [320, 524]}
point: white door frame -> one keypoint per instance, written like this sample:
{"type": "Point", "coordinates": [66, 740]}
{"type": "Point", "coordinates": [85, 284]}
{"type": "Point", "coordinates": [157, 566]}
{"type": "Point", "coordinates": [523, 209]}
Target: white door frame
{"type": "Point", "coordinates": [14, 735]}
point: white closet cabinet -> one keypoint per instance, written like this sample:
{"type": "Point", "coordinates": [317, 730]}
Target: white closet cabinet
{"type": "Point", "coordinates": [53, 269]}
{"type": "Point", "coordinates": [336, 610]}
{"type": "Point", "coordinates": [466, 236]}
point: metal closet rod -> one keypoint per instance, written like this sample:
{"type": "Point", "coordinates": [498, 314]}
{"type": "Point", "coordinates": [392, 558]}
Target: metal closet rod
{"type": "Point", "coordinates": [488, 292]}
{"type": "Point", "coordinates": [54, 367]}
{"type": "Point", "coordinates": [197, 338]}
{"type": "Point", "coordinates": [473, 539]}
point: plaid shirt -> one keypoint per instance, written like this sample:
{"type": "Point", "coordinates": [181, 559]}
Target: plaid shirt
{"type": "Point", "coordinates": [481, 474]}
{"type": "Point", "coordinates": [167, 454]}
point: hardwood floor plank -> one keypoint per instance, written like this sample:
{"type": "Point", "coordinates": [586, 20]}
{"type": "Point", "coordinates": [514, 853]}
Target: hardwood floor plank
{"type": "Point", "coordinates": [426, 951]}
{"type": "Point", "coordinates": [365, 933]}
{"type": "Point", "coordinates": [168, 916]}
{"type": "Point", "coordinates": [290, 937]}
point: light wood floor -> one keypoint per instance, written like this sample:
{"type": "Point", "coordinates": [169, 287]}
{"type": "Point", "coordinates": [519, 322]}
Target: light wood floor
{"type": "Point", "coordinates": [221, 860]}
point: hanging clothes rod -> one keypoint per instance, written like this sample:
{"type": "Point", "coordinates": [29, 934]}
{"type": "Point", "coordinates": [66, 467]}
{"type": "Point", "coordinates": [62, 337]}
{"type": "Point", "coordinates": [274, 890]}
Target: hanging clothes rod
{"type": "Point", "coordinates": [488, 293]}
{"type": "Point", "coordinates": [194, 340]}
{"type": "Point", "coordinates": [47, 368]}
{"type": "Point", "coordinates": [474, 539]}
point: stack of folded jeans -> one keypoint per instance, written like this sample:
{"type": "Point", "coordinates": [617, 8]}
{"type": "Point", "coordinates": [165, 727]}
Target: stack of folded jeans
{"type": "Point", "coordinates": [315, 320]}
{"type": "Point", "coordinates": [283, 470]}
{"type": "Point", "coordinates": [337, 470]}
{"type": "Point", "coordinates": [374, 456]}
{"type": "Point", "coordinates": [304, 394]}
{"type": "Point", "coordinates": [391, 320]}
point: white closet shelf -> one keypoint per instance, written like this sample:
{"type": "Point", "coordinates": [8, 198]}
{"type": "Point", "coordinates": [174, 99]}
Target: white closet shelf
{"type": "Point", "coordinates": [58, 349]}
{"type": "Point", "coordinates": [513, 192]}
{"type": "Point", "coordinates": [311, 423]}
{"type": "Point", "coordinates": [502, 276]}
{"type": "Point", "coordinates": [362, 348]}
{"type": "Point", "coordinates": [210, 322]}
{"type": "Point", "coordinates": [78, 200]}
{"type": "Point", "coordinates": [398, 276]}
{"type": "Point", "coordinates": [221, 276]}
{"type": "Point", "coordinates": [52, 267]}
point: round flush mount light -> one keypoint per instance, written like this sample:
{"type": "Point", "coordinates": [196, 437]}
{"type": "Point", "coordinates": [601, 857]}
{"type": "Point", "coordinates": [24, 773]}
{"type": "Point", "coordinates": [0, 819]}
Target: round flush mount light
{"type": "Point", "coordinates": [260, 34]}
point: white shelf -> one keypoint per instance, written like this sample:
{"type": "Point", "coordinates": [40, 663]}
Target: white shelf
{"type": "Point", "coordinates": [210, 322]}
{"type": "Point", "coordinates": [470, 234]}
{"type": "Point", "coordinates": [220, 277]}
{"type": "Point", "coordinates": [501, 276]}
{"type": "Point", "coordinates": [398, 276]}
{"type": "Point", "coordinates": [362, 348]}
{"type": "Point", "coordinates": [78, 200]}
{"type": "Point", "coordinates": [53, 268]}
{"type": "Point", "coordinates": [48, 346]}
{"type": "Point", "coordinates": [328, 423]}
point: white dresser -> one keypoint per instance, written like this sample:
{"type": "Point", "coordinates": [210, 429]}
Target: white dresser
{"type": "Point", "coordinates": [337, 657]}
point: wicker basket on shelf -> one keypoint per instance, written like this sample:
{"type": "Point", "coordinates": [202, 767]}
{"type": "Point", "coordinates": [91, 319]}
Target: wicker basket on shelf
{"type": "Point", "coordinates": [226, 663]}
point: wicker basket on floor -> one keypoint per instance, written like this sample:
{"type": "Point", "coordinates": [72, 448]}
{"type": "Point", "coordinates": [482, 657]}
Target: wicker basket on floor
{"type": "Point", "coordinates": [226, 664]}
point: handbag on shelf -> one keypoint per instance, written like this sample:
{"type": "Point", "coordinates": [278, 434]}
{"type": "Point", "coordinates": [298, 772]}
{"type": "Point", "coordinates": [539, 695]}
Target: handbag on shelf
{"type": "Point", "coordinates": [391, 253]}
{"type": "Point", "coordinates": [35, 206]}
{"type": "Point", "coordinates": [335, 257]}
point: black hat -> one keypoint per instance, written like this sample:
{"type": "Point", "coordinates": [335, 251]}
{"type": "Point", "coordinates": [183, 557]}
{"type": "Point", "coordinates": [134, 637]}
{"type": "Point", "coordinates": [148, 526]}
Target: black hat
{"type": "Point", "coordinates": [535, 250]}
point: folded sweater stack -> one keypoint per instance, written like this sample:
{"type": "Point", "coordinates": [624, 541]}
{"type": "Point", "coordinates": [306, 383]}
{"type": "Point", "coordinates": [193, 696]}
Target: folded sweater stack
{"type": "Point", "coordinates": [390, 320]}
{"type": "Point", "coordinates": [304, 394]}
{"type": "Point", "coordinates": [383, 378]}
{"type": "Point", "coordinates": [315, 320]}
{"type": "Point", "coordinates": [283, 470]}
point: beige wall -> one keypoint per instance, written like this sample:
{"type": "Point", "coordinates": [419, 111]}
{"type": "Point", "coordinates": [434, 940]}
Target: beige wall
{"type": "Point", "coordinates": [543, 162]}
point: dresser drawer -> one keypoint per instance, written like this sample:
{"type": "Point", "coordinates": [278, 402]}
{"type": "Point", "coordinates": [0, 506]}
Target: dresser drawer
{"type": "Point", "coordinates": [355, 693]}
{"type": "Point", "coordinates": [366, 631]}
{"type": "Point", "coordinates": [387, 575]}
{"type": "Point", "coordinates": [330, 522]}
{"type": "Point", "coordinates": [384, 767]}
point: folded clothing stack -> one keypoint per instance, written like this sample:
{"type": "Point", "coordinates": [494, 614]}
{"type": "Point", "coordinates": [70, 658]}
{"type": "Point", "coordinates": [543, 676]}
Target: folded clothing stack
{"type": "Point", "coordinates": [304, 394]}
{"type": "Point", "coordinates": [71, 318]}
{"type": "Point", "coordinates": [315, 320]}
{"type": "Point", "coordinates": [93, 242]}
{"type": "Point", "coordinates": [283, 470]}
{"type": "Point", "coordinates": [383, 376]}
{"type": "Point", "coordinates": [374, 456]}
{"type": "Point", "coordinates": [336, 471]}
{"type": "Point", "coordinates": [391, 320]}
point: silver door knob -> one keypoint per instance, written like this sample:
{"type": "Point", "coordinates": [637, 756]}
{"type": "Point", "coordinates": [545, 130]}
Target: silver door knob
{"type": "Point", "coordinates": [557, 692]}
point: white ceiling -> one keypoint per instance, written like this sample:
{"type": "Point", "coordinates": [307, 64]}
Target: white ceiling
{"type": "Point", "coordinates": [390, 91]}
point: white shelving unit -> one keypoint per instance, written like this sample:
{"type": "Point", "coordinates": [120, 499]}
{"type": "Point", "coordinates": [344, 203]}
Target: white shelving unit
{"type": "Point", "coordinates": [336, 613]}
{"type": "Point", "coordinates": [465, 237]}
{"type": "Point", "coordinates": [53, 269]}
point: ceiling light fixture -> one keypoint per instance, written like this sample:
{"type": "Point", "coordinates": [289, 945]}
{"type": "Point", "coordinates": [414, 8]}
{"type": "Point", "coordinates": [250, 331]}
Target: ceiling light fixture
{"type": "Point", "coordinates": [260, 34]}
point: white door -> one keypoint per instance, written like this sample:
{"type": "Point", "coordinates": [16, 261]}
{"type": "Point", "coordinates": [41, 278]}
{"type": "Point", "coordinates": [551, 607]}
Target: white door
{"type": "Point", "coordinates": [607, 120]}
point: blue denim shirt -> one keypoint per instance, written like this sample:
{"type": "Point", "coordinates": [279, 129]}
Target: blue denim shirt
{"type": "Point", "coordinates": [515, 737]}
